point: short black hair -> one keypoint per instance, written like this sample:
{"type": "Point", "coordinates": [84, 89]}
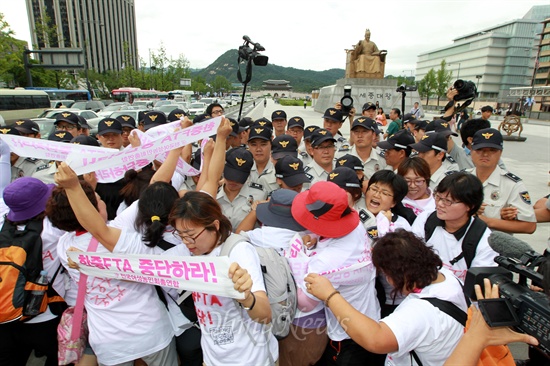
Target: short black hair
{"type": "Point", "coordinates": [470, 127]}
{"type": "Point", "coordinates": [487, 108]}
{"type": "Point", "coordinates": [211, 106]}
{"type": "Point", "coordinates": [397, 111]}
{"type": "Point", "coordinates": [396, 182]}
{"type": "Point", "coordinates": [463, 187]}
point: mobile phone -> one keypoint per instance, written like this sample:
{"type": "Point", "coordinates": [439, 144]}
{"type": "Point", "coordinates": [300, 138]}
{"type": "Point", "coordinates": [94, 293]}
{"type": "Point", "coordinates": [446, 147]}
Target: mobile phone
{"type": "Point", "coordinates": [498, 312]}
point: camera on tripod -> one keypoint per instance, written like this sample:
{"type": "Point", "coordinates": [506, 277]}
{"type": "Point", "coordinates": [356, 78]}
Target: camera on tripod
{"type": "Point", "coordinates": [404, 87]}
{"type": "Point", "coordinates": [247, 53]}
{"type": "Point", "coordinates": [347, 101]}
{"type": "Point", "coordinates": [518, 306]}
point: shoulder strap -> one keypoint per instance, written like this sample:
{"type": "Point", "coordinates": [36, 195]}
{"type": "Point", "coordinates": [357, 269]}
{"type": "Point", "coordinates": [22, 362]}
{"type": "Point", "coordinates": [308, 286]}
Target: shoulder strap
{"type": "Point", "coordinates": [471, 240]}
{"type": "Point", "coordinates": [448, 308]}
{"type": "Point", "coordinates": [430, 225]}
{"type": "Point", "coordinates": [415, 356]}
{"type": "Point", "coordinates": [230, 243]}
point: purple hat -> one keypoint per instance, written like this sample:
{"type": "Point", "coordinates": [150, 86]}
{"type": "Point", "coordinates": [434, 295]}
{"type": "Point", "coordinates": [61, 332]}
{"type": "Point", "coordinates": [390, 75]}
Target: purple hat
{"type": "Point", "coordinates": [26, 197]}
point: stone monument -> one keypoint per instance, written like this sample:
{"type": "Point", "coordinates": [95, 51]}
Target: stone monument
{"type": "Point", "coordinates": [365, 65]}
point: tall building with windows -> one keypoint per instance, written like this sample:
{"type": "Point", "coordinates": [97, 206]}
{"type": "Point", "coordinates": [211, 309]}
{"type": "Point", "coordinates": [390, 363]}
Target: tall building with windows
{"type": "Point", "coordinates": [496, 58]}
{"type": "Point", "coordinates": [105, 29]}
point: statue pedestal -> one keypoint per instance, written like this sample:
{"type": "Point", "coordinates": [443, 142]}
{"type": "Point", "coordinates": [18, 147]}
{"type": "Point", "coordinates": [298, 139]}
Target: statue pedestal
{"type": "Point", "coordinates": [366, 90]}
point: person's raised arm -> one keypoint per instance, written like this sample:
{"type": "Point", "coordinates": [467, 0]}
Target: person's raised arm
{"type": "Point", "coordinates": [86, 214]}
{"type": "Point", "coordinates": [257, 302]}
{"type": "Point", "coordinates": [217, 161]}
{"type": "Point", "coordinates": [371, 335]}
{"type": "Point", "coordinates": [509, 226]}
{"type": "Point", "coordinates": [451, 92]}
{"type": "Point", "coordinates": [5, 166]}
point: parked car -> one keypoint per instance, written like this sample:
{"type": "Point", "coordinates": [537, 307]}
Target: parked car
{"type": "Point", "coordinates": [209, 101]}
{"type": "Point", "coordinates": [93, 105]}
{"type": "Point", "coordinates": [161, 103]}
{"type": "Point", "coordinates": [197, 108]}
{"type": "Point", "coordinates": [66, 102]}
{"type": "Point", "coordinates": [143, 103]}
{"type": "Point", "coordinates": [166, 109]}
{"type": "Point", "coordinates": [106, 112]}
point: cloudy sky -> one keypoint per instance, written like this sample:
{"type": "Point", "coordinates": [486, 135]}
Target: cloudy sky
{"type": "Point", "coordinates": [305, 34]}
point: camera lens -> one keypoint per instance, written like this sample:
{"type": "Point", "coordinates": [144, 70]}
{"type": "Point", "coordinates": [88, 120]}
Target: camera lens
{"type": "Point", "coordinates": [459, 84]}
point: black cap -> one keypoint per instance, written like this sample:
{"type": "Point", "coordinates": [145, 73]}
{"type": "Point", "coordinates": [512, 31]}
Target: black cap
{"type": "Point", "coordinates": [259, 132]}
{"type": "Point", "coordinates": [60, 136]}
{"type": "Point", "coordinates": [279, 114]}
{"type": "Point", "coordinates": [369, 105]}
{"type": "Point", "coordinates": [308, 131]}
{"type": "Point", "coordinates": [321, 135]}
{"type": "Point", "coordinates": [238, 165]}
{"type": "Point", "coordinates": [109, 125]}
{"type": "Point", "coordinates": [9, 130]}
{"type": "Point", "coordinates": [126, 121]}
{"type": "Point", "coordinates": [440, 126]}
{"type": "Point", "coordinates": [201, 118]}
{"type": "Point", "coordinates": [25, 125]}
{"type": "Point", "coordinates": [84, 140]}
{"type": "Point", "coordinates": [421, 125]}
{"type": "Point", "coordinates": [284, 145]}
{"type": "Point", "coordinates": [83, 123]}
{"type": "Point", "coordinates": [153, 119]}
{"type": "Point", "coordinates": [235, 127]}
{"type": "Point", "coordinates": [408, 118]}
{"type": "Point", "coordinates": [291, 170]}
{"type": "Point", "coordinates": [263, 122]}
{"type": "Point", "coordinates": [68, 117]}
{"type": "Point", "coordinates": [296, 122]}
{"type": "Point", "coordinates": [365, 122]}
{"type": "Point", "coordinates": [401, 140]}
{"type": "Point", "coordinates": [431, 141]}
{"type": "Point", "coordinates": [245, 123]}
{"type": "Point", "coordinates": [487, 137]}
{"type": "Point", "coordinates": [344, 177]}
{"type": "Point", "coordinates": [350, 161]}
{"type": "Point", "coordinates": [176, 115]}
{"type": "Point", "coordinates": [334, 115]}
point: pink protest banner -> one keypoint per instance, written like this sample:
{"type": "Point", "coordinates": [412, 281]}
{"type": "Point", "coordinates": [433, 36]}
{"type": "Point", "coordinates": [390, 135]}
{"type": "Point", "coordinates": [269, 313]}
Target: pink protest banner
{"type": "Point", "coordinates": [111, 168]}
{"type": "Point", "coordinates": [50, 150]}
{"type": "Point", "coordinates": [202, 274]}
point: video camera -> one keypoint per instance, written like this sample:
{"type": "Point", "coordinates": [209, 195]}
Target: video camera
{"type": "Point", "coordinates": [404, 87]}
{"type": "Point", "coordinates": [248, 53]}
{"type": "Point", "coordinates": [347, 101]}
{"type": "Point", "coordinates": [518, 306]}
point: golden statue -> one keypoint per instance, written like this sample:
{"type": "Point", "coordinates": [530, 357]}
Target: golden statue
{"type": "Point", "coordinates": [365, 60]}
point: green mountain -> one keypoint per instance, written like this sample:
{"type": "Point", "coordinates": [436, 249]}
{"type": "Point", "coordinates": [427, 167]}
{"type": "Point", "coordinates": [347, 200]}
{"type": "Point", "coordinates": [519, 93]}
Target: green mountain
{"type": "Point", "coordinates": [300, 80]}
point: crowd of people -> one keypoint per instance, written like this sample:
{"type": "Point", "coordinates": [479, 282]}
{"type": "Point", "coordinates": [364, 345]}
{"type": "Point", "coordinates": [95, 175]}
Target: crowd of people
{"type": "Point", "coordinates": [387, 220]}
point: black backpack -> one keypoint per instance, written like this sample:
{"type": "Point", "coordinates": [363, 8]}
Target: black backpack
{"type": "Point", "coordinates": [469, 243]}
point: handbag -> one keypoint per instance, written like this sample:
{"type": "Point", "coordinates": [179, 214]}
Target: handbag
{"type": "Point", "coordinates": [72, 331]}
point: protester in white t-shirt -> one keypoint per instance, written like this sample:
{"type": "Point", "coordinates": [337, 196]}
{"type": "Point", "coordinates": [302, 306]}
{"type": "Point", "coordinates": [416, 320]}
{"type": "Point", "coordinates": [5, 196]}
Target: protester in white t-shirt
{"type": "Point", "coordinates": [416, 325]}
{"type": "Point", "coordinates": [458, 197]}
{"type": "Point", "coordinates": [231, 334]}
{"type": "Point", "coordinates": [342, 252]}
{"type": "Point", "coordinates": [416, 172]}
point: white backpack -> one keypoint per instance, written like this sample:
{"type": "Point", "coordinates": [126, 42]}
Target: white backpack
{"type": "Point", "coordinates": [279, 285]}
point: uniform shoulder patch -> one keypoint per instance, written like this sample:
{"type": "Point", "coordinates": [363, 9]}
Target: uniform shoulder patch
{"type": "Point", "coordinates": [450, 158]}
{"type": "Point", "coordinates": [525, 197]}
{"type": "Point", "coordinates": [42, 167]}
{"type": "Point", "coordinates": [344, 147]}
{"type": "Point", "coordinates": [372, 232]}
{"type": "Point", "coordinates": [304, 154]}
{"type": "Point", "coordinates": [449, 172]}
{"type": "Point", "coordinates": [257, 186]}
{"type": "Point", "coordinates": [309, 176]}
{"type": "Point", "coordinates": [363, 215]}
{"type": "Point", "coordinates": [382, 154]}
{"type": "Point", "coordinates": [513, 177]}
{"type": "Point", "coordinates": [32, 160]}
{"type": "Point", "coordinates": [341, 139]}
{"type": "Point", "coordinates": [307, 168]}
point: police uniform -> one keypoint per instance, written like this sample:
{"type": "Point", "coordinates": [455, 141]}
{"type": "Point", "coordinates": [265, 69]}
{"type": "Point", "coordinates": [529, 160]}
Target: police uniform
{"type": "Point", "coordinates": [502, 189]}
{"type": "Point", "coordinates": [265, 180]}
{"type": "Point", "coordinates": [342, 146]}
{"type": "Point", "coordinates": [439, 174]}
{"type": "Point", "coordinates": [187, 185]}
{"type": "Point", "coordinates": [374, 162]}
{"type": "Point", "coordinates": [450, 164]}
{"type": "Point", "coordinates": [365, 216]}
{"type": "Point", "coordinates": [237, 209]}
{"type": "Point", "coordinates": [25, 167]}
{"type": "Point", "coordinates": [46, 172]}
{"type": "Point", "coordinates": [315, 173]}
{"type": "Point", "coordinates": [305, 157]}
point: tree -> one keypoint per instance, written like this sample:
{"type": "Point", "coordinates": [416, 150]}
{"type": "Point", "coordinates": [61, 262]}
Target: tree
{"type": "Point", "coordinates": [428, 85]}
{"type": "Point", "coordinates": [443, 78]}
{"type": "Point", "coordinates": [11, 54]}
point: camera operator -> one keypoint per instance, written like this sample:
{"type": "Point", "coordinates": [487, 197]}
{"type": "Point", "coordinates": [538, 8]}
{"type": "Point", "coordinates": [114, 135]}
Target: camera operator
{"type": "Point", "coordinates": [479, 335]}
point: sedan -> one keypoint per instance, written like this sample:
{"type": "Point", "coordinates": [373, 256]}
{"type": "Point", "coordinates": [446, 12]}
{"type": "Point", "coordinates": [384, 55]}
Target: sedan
{"type": "Point", "coordinates": [113, 107]}
{"type": "Point", "coordinates": [197, 108]}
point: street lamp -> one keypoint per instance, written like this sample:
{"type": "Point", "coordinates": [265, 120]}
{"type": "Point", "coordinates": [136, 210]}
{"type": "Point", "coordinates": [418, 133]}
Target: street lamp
{"type": "Point", "coordinates": [478, 77]}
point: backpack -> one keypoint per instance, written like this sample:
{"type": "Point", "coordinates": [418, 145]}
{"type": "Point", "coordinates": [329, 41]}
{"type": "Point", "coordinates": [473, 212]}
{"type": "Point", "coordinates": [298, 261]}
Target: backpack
{"type": "Point", "coordinates": [279, 284]}
{"type": "Point", "coordinates": [469, 242]}
{"type": "Point", "coordinates": [20, 266]}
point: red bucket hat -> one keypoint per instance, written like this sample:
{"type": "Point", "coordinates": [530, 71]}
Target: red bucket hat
{"type": "Point", "coordinates": [324, 210]}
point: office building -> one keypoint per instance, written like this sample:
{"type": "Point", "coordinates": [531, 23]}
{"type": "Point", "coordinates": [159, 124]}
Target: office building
{"type": "Point", "coordinates": [104, 29]}
{"type": "Point", "coordinates": [496, 58]}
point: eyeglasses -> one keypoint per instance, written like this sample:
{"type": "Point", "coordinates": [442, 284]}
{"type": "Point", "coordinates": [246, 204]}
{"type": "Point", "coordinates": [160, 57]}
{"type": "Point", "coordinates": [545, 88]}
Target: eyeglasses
{"type": "Point", "coordinates": [65, 127]}
{"type": "Point", "coordinates": [217, 111]}
{"type": "Point", "coordinates": [416, 182]}
{"type": "Point", "coordinates": [187, 239]}
{"type": "Point", "coordinates": [327, 147]}
{"type": "Point", "coordinates": [376, 190]}
{"type": "Point", "coordinates": [444, 201]}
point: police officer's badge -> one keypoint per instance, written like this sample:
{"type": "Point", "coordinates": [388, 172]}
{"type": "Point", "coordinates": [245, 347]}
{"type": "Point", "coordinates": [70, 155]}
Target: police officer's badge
{"type": "Point", "coordinates": [525, 197]}
{"type": "Point", "coordinates": [372, 232]}
{"type": "Point", "coordinates": [495, 195]}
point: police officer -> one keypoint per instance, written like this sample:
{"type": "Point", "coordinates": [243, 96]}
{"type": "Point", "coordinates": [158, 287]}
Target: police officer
{"type": "Point", "coordinates": [68, 121]}
{"type": "Point", "coordinates": [259, 145]}
{"type": "Point", "coordinates": [278, 119]}
{"type": "Point", "coordinates": [295, 128]}
{"type": "Point", "coordinates": [324, 148]}
{"type": "Point", "coordinates": [46, 172]}
{"type": "Point", "coordinates": [332, 121]}
{"type": "Point", "coordinates": [306, 155]}
{"type": "Point", "coordinates": [290, 173]}
{"type": "Point", "coordinates": [236, 196]}
{"type": "Point", "coordinates": [363, 131]}
{"type": "Point", "coordinates": [128, 124]}
{"type": "Point", "coordinates": [444, 128]}
{"type": "Point", "coordinates": [396, 148]}
{"type": "Point", "coordinates": [506, 203]}
{"type": "Point", "coordinates": [22, 166]}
